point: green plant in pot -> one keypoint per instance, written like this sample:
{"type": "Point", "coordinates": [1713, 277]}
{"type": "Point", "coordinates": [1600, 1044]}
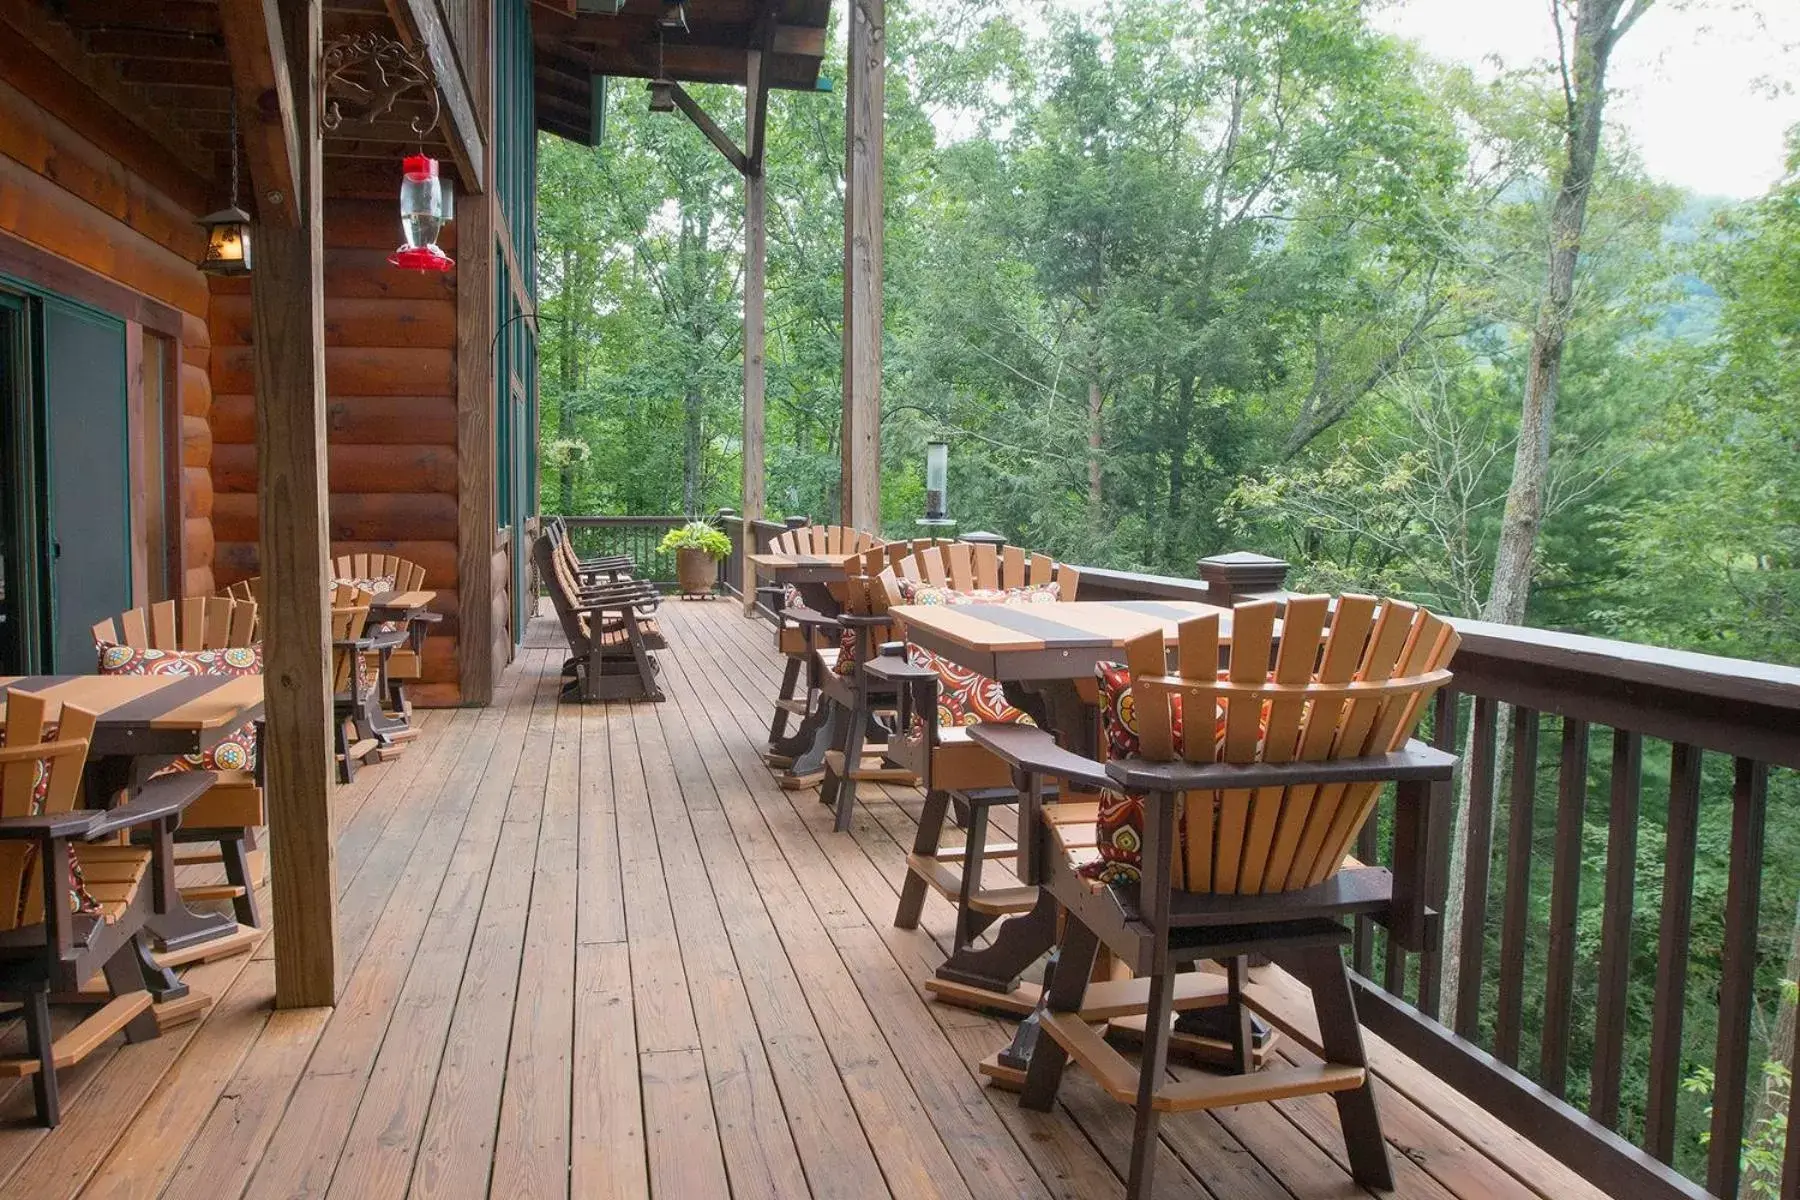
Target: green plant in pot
{"type": "Point", "coordinates": [697, 546]}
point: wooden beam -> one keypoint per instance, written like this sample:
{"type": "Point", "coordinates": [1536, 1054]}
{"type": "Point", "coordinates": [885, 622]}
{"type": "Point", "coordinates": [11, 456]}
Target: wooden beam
{"type": "Point", "coordinates": [265, 104]}
{"type": "Point", "coordinates": [287, 299]}
{"type": "Point", "coordinates": [860, 482]}
{"type": "Point", "coordinates": [755, 282]}
{"type": "Point", "coordinates": [710, 128]}
{"type": "Point", "coordinates": [421, 23]}
{"type": "Point", "coordinates": [475, 520]}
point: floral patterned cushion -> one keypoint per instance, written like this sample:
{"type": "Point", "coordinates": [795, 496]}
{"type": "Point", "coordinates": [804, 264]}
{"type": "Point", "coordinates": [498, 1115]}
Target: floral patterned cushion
{"type": "Point", "coordinates": [80, 900]}
{"type": "Point", "coordinates": [914, 592]}
{"type": "Point", "coordinates": [846, 659]}
{"type": "Point", "coordinates": [380, 585]}
{"type": "Point", "coordinates": [967, 697]}
{"type": "Point", "coordinates": [1119, 826]}
{"type": "Point", "coordinates": [236, 751]}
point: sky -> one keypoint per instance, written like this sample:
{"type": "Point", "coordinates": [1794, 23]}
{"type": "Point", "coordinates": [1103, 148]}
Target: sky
{"type": "Point", "coordinates": [1691, 82]}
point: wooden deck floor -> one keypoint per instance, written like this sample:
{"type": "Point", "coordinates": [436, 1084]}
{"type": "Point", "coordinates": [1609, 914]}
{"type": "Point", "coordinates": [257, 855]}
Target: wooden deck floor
{"type": "Point", "coordinates": [594, 952]}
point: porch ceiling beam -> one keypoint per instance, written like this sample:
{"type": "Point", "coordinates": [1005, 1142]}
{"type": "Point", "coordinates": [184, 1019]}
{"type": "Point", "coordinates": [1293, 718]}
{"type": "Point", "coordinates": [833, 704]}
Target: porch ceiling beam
{"type": "Point", "coordinates": [420, 23]}
{"type": "Point", "coordinates": [629, 29]}
{"type": "Point", "coordinates": [705, 124]}
{"type": "Point", "coordinates": [265, 104]}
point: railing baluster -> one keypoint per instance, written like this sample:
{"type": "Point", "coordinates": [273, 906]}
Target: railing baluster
{"type": "Point", "coordinates": [1515, 912]}
{"type": "Point", "coordinates": [1565, 904]}
{"type": "Point", "coordinates": [1615, 928]}
{"type": "Point", "coordinates": [1672, 952]}
{"type": "Point", "coordinates": [1737, 984]}
{"type": "Point", "coordinates": [1475, 867]}
{"type": "Point", "coordinates": [1431, 963]}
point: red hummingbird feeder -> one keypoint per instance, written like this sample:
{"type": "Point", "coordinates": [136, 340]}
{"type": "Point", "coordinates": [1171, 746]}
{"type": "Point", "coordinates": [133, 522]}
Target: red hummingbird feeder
{"type": "Point", "coordinates": [425, 208]}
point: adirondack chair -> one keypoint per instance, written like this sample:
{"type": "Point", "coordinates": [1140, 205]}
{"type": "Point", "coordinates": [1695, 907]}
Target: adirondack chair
{"type": "Point", "coordinates": [405, 663]}
{"type": "Point", "coordinates": [1240, 792]}
{"type": "Point", "coordinates": [610, 567]}
{"type": "Point", "coordinates": [76, 899]}
{"type": "Point", "coordinates": [799, 629]}
{"type": "Point", "coordinates": [609, 646]}
{"type": "Point", "coordinates": [356, 707]}
{"type": "Point", "coordinates": [938, 705]}
{"type": "Point", "coordinates": [228, 813]}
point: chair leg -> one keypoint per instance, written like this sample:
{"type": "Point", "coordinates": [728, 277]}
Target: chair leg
{"type": "Point", "coordinates": [39, 1038]}
{"type": "Point", "coordinates": [1340, 1037]}
{"type": "Point", "coordinates": [839, 729]}
{"type": "Point", "coordinates": [237, 873]}
{"type": "Point", "coordinates": [790, 679]}
{"type": "Point", "coordinates": [347, 767]}
{"type": "Point", "coordinates": [1243, 1037]}
{"type": "Point", "coordinates": [1154, 1066]}
{"type": "Point", "coordinates": [968, 923]}
{"type": "Point", "coordinates": [930, 834]}
{"type": "Point", "coordinates": [1069, 971]}
{"type": "Point", "coordinates": [856, 731]}
{"type": "Point", "coordinates": [125, 974]}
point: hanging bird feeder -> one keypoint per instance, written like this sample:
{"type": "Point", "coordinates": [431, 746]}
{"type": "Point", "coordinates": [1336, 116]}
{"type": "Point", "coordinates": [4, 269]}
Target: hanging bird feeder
{"type": "Point", "coordinates": [425, 208]}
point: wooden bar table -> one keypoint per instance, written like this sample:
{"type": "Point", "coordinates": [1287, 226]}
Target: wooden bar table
{"type": "Point", "coordinates": [817, 578]}
{"type": "Point", "coordinates": [144, 723]}
{"type": "Point", "coordinates": [1044, 656]}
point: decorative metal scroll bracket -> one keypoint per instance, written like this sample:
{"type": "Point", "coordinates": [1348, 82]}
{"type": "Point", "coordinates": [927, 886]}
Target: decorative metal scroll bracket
{"type": "Point", "coordinates": [363, 76]}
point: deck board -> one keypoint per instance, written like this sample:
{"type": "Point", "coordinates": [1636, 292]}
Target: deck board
{"type": "Point", "coordinates": [596, 951]}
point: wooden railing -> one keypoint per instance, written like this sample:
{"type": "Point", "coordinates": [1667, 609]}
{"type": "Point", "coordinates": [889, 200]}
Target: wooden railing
{"type": "Point", "coordinates": [638, 537]}
{"type": "Point", "coordinates": [1510, 1027]}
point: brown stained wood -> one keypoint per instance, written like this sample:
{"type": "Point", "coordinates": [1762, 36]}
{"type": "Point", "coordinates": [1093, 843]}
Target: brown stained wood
{"type": "Point", "coordinates": [1737, 985]}
{"type": "Point", "coordinates": [1615, 938]}
{"type": "Point", "coordinates": [1565, 906]}
{"type": "Point", "coordinates": [607, 1138]}
{"type": "Point", "coordinates": [288, 299]}
{"type": "Point", "coordinates": [1475, 887]}
{"type": "Point", "coordinates": [475, 460]}
{"type": "Point", "coordinates": [755, 465]}
{"type": "Point", "coordinates": [860, 437]}
{"type": "Point", "coordinates": [264, 94]}
{"type": "Point", "coordinates": [1514, 932]}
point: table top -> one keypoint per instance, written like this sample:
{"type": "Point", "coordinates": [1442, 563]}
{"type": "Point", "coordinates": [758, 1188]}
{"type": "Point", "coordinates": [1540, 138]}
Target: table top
{"type": "Point", "coordinates": [1045, 641]}
{"type": "Point", "coordinates": [145, 714]}
{"type": "Point", "coordinates": [803, 568]}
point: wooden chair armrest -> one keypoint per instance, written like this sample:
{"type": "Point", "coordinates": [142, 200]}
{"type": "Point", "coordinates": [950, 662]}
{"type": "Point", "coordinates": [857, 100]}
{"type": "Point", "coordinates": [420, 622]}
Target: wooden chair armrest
{"type": "Point", "coordinates": [392, 639]}
{"type": "Point", "coordinates": [357, 644]}
{"type": "Point", "coordinates": [897, 670]}
{"type": "Point", "coordinates": [1413, 762]}
{"type": "Point", "coordinates": [160, 798]}
{"type": "Point", "coordinates": [857, 621]}
{"type": "Point", "coordinates": [426, 617]}
{"type": "Point", "coordinates": [1035, 752]}
{"type": "Point", "coordinates": [49, 826]}
{"type": "Point", "coordinates": [810, 618]}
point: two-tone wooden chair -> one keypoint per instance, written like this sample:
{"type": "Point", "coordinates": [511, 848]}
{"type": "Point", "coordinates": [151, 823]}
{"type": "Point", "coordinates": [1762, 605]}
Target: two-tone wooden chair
{"type": "Point", "coordinates": [403, 664]}
{"type": "Point", "coordinates": [608, 630]}
{"type": "Point", "coordinates": [357, 716]}
{"type": "Point", "coordinates": [204, 635]}
{"type": "Point", "coordinates": [1225, 836]}
{"type": "Point", "coordinates": [76, 899]}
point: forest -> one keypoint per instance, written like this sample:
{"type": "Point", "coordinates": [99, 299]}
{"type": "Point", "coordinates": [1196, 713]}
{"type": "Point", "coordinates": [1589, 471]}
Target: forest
{"type": "Point", "coordinates": [1179, 277]}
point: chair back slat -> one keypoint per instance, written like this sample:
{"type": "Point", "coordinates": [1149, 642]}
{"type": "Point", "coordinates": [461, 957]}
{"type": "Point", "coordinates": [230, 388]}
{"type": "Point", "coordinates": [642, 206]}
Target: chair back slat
{"type": "Point", "coordinates": [206, 623]}
{"type": "Point", "coordinates": [1361, 695]}
{"type": "Point", "coordinates": [1012, 568]}
{"type": "Point", "coordinates": [162, 625]}
{"type": "Point", "coordinates": [956, 561]}
{"type": "Point", "coordinates": [987, 566]}
{"type": "Point", "coordinates": [1068, 581]}
{"type": "Point", "coordinates": [195, 628]}
{"type": "Point", "coordinates": [1043, 570]}
{"type": "Point", "coordinates": [133, 628]}
{"type": "Point", "coordinates": [28, 722]}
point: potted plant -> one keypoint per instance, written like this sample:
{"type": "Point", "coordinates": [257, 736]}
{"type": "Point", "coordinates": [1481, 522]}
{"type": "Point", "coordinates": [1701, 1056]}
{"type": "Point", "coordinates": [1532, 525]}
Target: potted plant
{"type": "Point", "coordinates": [697, 546]}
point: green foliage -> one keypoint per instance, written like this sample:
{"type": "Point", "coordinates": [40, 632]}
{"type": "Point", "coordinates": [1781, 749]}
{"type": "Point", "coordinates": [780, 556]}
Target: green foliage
{"type": "Point", "coordinates": [696, 535]}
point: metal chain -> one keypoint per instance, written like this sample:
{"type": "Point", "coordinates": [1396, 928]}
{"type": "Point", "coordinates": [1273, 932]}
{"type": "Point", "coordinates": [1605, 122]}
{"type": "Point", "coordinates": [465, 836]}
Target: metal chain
{"type": "Point", "coordinates": [234, 148]}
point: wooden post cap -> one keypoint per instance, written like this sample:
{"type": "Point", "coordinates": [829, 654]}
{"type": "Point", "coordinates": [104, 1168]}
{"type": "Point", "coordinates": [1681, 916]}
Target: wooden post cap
{"type": "Point", "coordinates": [982, 537]}
{"type": "Point", "coordinates": [1240, 573]}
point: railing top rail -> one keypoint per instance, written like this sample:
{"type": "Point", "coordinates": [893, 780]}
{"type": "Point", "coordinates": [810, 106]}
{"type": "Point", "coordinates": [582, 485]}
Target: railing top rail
{"type": "Point", "coordinates": [1737, 679]}
{"type": "Point", "coordinates": [631, 520]}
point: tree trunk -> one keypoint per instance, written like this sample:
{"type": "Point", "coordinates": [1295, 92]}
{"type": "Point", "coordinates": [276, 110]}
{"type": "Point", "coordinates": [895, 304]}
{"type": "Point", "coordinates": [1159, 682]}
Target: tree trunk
{"type": "Point", "coordinates": [1598, 28]}
{"type": "Point", "coordinates": [565, 407]}
{"type": "Point", "coordinates": [692, 406]}
{"type": "Point", "coordinates": [1184, 422]}
{"type": "Point", "coordinates": [1096, 442]}
{"type": "Point", "coordinates": [1772, 1101]}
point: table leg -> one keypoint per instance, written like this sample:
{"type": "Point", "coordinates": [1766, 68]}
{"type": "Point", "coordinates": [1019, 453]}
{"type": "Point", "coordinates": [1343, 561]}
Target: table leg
{"type": "Point", "coordinates": [1018, 943]}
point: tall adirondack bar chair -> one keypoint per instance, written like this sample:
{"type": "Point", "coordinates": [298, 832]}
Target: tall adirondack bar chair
{"type": "Point", "coordinates": [405, 663]}
{"type": "Point", "coordinates": [76, 899]}
{"type": "Point", "coordinates": [938, 704]}
{"type": "Point", "coordinates": [356, 707]}
{"type": "Point", "coordinates": [195, 633]}
{"type": "Point", "coordinates": [1243, 791]}
{"type": "Point", "coordinates": [608, 630]}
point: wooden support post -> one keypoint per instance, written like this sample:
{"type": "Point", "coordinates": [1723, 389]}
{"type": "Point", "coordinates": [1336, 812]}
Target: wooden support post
{"type": "Point", "coordinates": [265, 104]}
{"type": "Point", "coordinates": [287, 304]}
{"type": "Point", "coordinates": [475, 471]}
{"type": "Point", "coordinates": [755, 282]}
{"type": "Point", "coordinates": [860, 484]}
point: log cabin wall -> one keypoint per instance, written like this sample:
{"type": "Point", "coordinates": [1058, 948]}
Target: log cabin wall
{"type": "Point", "coordinates": [390, 338]}
{"type": "Point", "coordinates": [77, 221]}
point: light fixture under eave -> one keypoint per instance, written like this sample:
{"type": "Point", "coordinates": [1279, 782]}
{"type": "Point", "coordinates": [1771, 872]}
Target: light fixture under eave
{"type": "Point", "coordinates": [228, 230]}
{"type": "Point", "coordinates": [662, 95]}
{"type": "Point", "coordinates": [674, 15]}
{"type": "Point", "coordinates": [227, 242]}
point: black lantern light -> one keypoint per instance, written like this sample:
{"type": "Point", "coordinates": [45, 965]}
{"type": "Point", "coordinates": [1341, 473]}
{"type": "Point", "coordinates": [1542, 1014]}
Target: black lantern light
{"type": "Point", "coordinates": [228, 230]}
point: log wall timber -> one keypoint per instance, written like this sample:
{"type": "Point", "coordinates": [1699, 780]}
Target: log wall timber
{"type": "Point", "coordinates": [390, 358]}
{"type": "Point", "coordinates": [63, 194]}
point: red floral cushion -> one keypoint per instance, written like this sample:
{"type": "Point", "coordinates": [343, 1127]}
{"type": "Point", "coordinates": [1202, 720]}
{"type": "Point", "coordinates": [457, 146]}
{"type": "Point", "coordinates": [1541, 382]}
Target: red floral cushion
{"type": "Point", "coordinates": [380, 585]}
{"type": "Point", "coordinates": [914, 592]}
{"type": "Point", "coordinates": [967, 697]}
{"type": "Point", "coordinates": [1119, 826]}
{"type": "Point", "coordinates": [236, 751]}
{"type": "Point", "coordinates": [80, 900]}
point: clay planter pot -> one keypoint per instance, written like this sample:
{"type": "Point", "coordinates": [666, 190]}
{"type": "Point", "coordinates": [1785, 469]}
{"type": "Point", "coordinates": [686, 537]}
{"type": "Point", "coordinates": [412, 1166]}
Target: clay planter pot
{"type": "Point", "coordinates": [695, 573]}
